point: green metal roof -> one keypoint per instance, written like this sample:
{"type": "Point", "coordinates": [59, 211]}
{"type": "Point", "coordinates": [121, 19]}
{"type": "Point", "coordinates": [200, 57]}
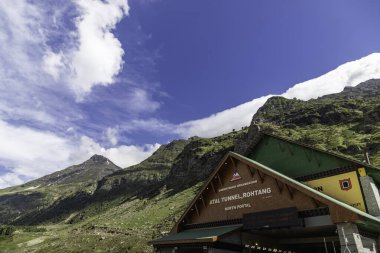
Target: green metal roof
{"type": "Point", "coordinates": [296, 159]}
{"type": "Point", "coordinates": [191, 235]}
{"type": "Point", "coordinates": [286, 159]}
{"type": "Point", "coordinates": [370, 222]}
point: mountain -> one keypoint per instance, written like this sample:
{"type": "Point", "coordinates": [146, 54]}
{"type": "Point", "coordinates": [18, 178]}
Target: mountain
{"type": "Point", "coordinates": [20, 201]}
{"type": "Point", "coordinates": [89, 171]}
{"type": "Point", "coordinates": [148, 173]}
{"type": "Point", "coordinates": [121, 211]}
{"type": "Point", "coordinates": [347, 123]}
{"type": "Point", "coordinates": [198, 159]}
{"type": "Point", "coordinates": [353, 104]}
{"type": "Point", "coordinates": [166, 167]}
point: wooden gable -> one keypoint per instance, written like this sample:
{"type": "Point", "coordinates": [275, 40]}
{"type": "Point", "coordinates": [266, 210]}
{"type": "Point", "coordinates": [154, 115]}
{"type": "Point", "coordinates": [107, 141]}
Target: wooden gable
{"type": "Point", "coordinates": [239, 186]}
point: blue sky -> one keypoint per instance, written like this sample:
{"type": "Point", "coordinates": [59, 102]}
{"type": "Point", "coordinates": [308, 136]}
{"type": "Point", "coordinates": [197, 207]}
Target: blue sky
{"type": "Point", "coordinates": [227, 48]}
{"type": "Point", "coordinates": [120, 78]}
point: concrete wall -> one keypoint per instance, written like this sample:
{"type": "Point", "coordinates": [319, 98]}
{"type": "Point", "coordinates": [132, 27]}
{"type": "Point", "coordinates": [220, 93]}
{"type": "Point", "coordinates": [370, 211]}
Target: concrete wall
{"type": "Point", "coordinates": [371, 195]}
{"type": "Point", "coordinates": [352, 241]}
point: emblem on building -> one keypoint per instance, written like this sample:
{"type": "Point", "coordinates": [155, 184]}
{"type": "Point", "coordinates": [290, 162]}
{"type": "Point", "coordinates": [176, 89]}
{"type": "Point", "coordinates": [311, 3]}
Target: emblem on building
{"type": "Point", "coordinates": [235, 176]}
{"type": "Point", "coordinates": [345, 184]}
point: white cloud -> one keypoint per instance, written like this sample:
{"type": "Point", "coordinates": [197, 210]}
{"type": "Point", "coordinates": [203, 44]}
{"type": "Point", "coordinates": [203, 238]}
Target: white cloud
{"type": "Point", "coordinates": [112, 134]}
{"type": "Point", "coordinates": [22, 43]}
{"type": "Point", "coordinates": [98, 57]}
{"type": "Point", "coordinates": [27, 93]}
{"type": "Point", "coordinates": [9, 179]}
{"type": "Point", "coordinates": [140, 100]}
{"type": "Point", "coordinates": [54, 53]}
{"type": "Point", "coordinates": [348, 74]}
{"type": "Point", "coordinates": [53, 63]}
{"type": "Point", "coordinates": [125, 156]}
{"type": "Point", "coordinates": [30, 153]}
{"type": "Point", "coordinates": [222, 122]}
{"type": "Point", "coordinates": [38, 80]}
{"type": "Point", "coordinates": [20, 33]}
{"type": "Point", "coordinates": [152, 124]}
{"type": "Point", "coordinates": [122, 156]}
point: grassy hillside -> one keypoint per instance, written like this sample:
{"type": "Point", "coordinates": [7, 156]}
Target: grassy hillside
{"type": "Point", "coordinates": [18, 204]}
{"type": "Point", "coordinates": [127, 227]}
{"type": "Point", "coordinates": [347, 123]}
{"type": "Point", "coordinates": [125, 209]}
{"type": "Point", "coordinates": [129, 207]}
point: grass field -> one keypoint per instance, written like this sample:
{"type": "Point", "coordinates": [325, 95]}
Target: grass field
{"type": "Point", "coordinates": [127, 227]}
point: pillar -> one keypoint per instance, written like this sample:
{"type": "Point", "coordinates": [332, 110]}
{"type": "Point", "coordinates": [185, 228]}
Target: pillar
{"type": "Point", "coordinates": [371, 195]}
{"type": "Point", "coordinates": [351, 241]}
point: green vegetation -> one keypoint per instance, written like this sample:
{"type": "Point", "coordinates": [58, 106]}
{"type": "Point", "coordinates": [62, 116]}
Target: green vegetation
{"type": "Point", "coordinates": [125, 227]}
{"type": "Point", "coordinates": [6, 231]}
{"type": "Point", "coordinates": [97, 207]}
{"type": "Point", "coordinates": [347, 123]}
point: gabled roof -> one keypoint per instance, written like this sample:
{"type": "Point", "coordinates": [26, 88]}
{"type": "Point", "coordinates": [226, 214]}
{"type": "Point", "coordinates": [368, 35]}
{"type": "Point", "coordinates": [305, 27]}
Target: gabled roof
{"type": "Point", "coordinates": [312, 191]}
{"type": "Point", "coordinates": [296, 159]}
{"type": "Point", "coordinates": [356, 215]}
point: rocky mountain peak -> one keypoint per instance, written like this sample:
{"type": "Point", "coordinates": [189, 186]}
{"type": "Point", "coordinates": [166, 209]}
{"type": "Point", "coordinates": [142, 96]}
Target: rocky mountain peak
{"type": "Point", "coordinates": [372, 85]}
{"type": "Point", "coordinates": [98, 159]}
{"type": "Point", "coordinates": [369, 88]}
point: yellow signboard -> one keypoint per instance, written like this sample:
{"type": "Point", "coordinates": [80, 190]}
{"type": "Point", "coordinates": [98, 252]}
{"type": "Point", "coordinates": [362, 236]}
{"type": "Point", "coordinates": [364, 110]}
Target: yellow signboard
{"type": "Point", "coordinates": [344, 187]}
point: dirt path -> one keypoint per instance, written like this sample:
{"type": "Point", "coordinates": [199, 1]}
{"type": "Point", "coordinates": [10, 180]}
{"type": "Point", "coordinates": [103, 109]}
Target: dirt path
{"type": "Point", "coordinates": [32, 242]}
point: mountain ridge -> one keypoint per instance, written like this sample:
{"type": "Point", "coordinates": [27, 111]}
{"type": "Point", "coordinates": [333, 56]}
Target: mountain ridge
{"type": "Point", "coordinates": [49, 189]}
{"type": "Point", "coordinates": [141, 202]}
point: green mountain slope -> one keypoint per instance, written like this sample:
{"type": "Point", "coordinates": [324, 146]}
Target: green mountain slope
{"type": "Point", "coordinates": [148, 174]}
{"type": "Point", "coordinates": [127, 208]}
{"type": "Point", "coordinates": [347, 123]}
{"type": "Point", "coordinates": [19, 203]}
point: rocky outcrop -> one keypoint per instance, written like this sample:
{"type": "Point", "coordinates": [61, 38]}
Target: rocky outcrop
{"type": "Point", "coordinates": [354, 104]}
{"type": "Point", "coordinates": [199, 158]}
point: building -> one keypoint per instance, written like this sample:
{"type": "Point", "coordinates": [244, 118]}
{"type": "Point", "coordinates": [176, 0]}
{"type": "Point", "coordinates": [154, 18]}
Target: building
{"type": "Point", "coordinates": [281, 196]}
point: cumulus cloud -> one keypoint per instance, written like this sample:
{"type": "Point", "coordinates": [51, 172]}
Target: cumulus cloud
{"type": "Point", "coordinates": [98, 58]}
{"type": "Point", "coordinates": [222, 122]}
{"type": "Point", "coordinates": [348, 74]}
{"type": "Point", "coordinates": [28, 153]}
{"type": "Point", "coordinates": [123, 156]}
{"type": "Point", "coordinates": [52, 55]}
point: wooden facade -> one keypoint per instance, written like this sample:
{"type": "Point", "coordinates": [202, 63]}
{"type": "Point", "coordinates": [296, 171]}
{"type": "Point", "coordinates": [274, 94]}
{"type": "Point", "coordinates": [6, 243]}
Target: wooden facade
{"type": "Point", "coordinates": [246, 206]}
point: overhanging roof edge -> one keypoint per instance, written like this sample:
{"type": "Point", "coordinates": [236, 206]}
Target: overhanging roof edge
{"type": "Point", "coordinates": [265, 133]}
{"type": "Point", "coordinates": [213, 234]}
{"type": "Point", "coordinates": [333, 200]}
